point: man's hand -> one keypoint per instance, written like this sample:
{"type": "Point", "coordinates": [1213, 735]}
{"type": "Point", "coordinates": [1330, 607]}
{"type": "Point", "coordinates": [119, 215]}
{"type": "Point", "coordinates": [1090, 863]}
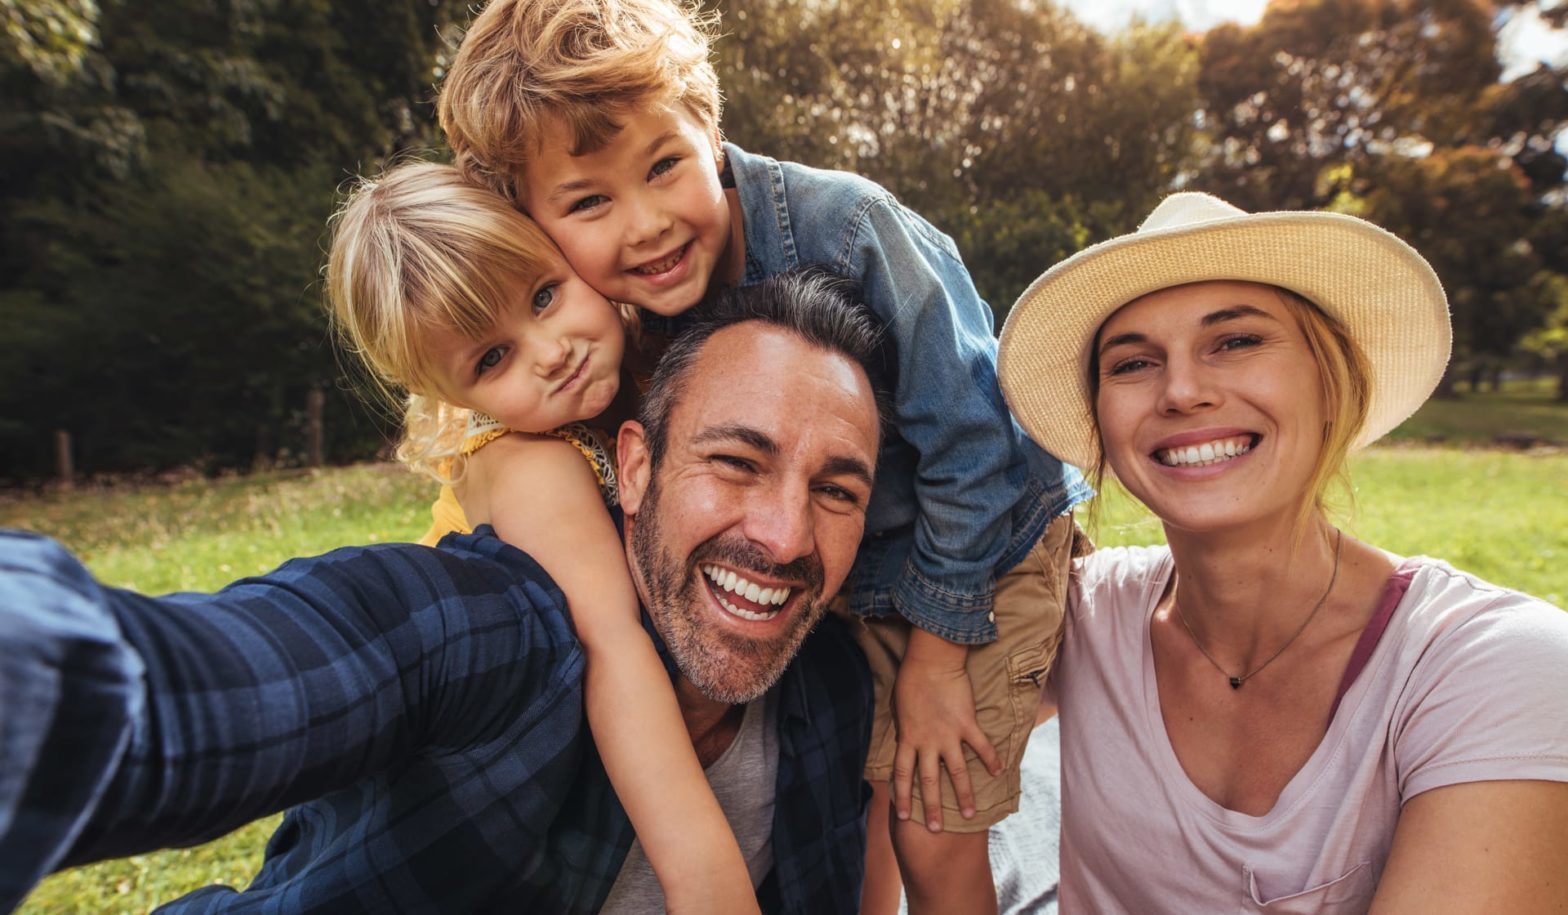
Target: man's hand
{"type": "Point", "coordinates": [934, 711]}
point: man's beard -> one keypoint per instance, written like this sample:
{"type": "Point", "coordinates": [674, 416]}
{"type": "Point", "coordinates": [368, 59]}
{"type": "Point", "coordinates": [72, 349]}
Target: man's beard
{"type": "Point", "coordinates": [725, 667]}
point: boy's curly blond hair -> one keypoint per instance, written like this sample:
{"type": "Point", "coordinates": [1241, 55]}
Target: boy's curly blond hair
{"type": "Point", "coordinates": [526, 65]}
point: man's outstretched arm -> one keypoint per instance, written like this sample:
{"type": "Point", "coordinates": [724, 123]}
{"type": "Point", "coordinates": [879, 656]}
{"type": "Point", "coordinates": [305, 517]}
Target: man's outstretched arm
{"type": "Point", "coordinates": [129, 723]}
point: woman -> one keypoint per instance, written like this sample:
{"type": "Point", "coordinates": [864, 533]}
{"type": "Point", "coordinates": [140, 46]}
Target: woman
{"type": "Point", "coordinates": [1268, 714]}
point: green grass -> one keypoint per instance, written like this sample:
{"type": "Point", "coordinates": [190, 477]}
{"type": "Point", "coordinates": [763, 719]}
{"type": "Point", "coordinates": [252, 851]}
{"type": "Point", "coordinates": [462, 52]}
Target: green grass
{"type": "Point", "coordinates": [200, 535]}
{"type": "Point", "coordinates": [1521, 408]}
{"type": "Point", "coordinates": [1502, 515]}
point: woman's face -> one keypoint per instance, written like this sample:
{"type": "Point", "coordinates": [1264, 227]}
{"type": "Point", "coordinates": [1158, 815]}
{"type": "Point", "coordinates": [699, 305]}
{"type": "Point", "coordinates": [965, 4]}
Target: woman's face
{"type": "Point", "coordinates": [1210, 405]}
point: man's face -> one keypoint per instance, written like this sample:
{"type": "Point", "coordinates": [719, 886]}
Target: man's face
{"type": "Point", "coordinates": [752, 518]}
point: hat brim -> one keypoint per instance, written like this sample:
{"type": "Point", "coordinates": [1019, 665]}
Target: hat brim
{"type": "Point", "coordinates": [1386, 295]}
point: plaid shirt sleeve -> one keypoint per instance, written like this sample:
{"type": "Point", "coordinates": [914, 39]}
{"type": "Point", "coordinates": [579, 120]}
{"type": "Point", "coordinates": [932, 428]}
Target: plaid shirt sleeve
{"type": "Point", "coordinates": [430, 700]}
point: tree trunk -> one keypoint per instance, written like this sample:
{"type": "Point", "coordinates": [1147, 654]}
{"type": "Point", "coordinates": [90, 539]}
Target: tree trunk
{"type": "Point", "coordinates": [64, 468]}
{"type": "Point", "coordinates": [315, 406]}
{"type": "Point", "coordinates": [1445, 385]}
{"type": "Point", "coordinates": [1562, 377]}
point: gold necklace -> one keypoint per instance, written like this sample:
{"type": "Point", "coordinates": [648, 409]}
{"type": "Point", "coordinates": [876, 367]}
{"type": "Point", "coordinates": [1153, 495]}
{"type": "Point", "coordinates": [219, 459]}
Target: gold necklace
{"type": "Point", "coordinates": [1235, 681]}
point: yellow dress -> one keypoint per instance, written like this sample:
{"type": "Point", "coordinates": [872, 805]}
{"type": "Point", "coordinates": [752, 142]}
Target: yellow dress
{"type": "Point", "coordinates": [597, 449]}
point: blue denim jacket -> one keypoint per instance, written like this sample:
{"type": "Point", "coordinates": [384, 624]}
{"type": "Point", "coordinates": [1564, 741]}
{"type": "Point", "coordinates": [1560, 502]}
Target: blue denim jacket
{"type": "Point", "coordinates": [962, 494]}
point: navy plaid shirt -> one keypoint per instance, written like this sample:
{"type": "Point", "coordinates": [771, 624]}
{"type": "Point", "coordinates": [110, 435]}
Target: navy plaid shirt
{"type": "Point", "coordinates": [419, 709]}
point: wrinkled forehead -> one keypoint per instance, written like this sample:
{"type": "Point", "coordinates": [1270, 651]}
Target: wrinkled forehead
{"type": "Point", "coordinates": [1195, 301]}
{"type": "Point", "coordinates": [770, 378]}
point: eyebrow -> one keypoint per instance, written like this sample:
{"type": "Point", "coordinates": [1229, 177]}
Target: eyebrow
{"type": "Point", "coordinates": [1233, 313]}
{"type": "Point", "coordinates": [569, 187]}
{"type": "Point", "coordinates": [837, 465]}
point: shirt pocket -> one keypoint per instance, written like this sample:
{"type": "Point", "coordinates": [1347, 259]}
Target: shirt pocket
{"type": "Point", "coordinates": [1349, 892]}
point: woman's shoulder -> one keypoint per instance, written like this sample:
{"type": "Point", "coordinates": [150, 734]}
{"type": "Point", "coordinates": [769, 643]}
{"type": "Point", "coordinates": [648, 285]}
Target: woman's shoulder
{"type": "Point", "coordinates": [1118, 565]}
{"type": "Point", "coordinates": [1470, 675]}
{"type": "Point", "coordinates": [1119, 577]}
{"type": "Point", "coordinates": [1448, 603]}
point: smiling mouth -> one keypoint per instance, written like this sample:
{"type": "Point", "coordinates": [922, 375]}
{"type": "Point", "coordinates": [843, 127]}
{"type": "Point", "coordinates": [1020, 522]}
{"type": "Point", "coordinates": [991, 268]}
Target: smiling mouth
{"type": "Point", "coordinates": [664, 264]}
{"type": "Point", "coordinates": [743, 598]}
{"type": "Point", "coordinates": [1206, 453]}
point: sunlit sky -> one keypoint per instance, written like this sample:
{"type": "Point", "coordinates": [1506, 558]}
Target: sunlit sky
{"type": "Point", "coordinates": [1525, 39]}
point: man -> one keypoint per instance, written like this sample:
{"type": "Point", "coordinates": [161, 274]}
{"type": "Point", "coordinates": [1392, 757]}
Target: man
{"type": "Point", "coordinates": [421, 710]}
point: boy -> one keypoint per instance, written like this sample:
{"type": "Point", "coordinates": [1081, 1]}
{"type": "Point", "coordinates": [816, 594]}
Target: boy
{"type": "Point", "coordinates": [599, 118]}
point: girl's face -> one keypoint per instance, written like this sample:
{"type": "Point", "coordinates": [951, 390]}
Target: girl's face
{"type": "Point", "coordinates": [1210, 405]}
{"type": "Point", "coordinates": [553, 358]}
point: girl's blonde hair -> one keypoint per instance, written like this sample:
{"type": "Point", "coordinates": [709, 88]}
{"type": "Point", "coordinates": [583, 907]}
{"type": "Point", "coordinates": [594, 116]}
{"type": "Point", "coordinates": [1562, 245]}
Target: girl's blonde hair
{"type": "Point", "coordinates": [416, 250]}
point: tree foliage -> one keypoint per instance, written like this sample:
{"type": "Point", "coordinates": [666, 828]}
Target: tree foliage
{"type": "Point", "coordinates": [167, 167]}
{"type": "Point", "coordinates": [166, 173]}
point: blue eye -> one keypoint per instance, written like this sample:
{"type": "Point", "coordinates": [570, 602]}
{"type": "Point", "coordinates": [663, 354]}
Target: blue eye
{"type": "Point", "coordinates": [544, 298]}
{"type": "Point", "coordinates": [491, 358]}
{"type": "Point", "coordinates": [662, 166]}
{"type": "Point", "coordinates": [1240, 341]}
{"type": "Point", "coordinates": [588, 203]}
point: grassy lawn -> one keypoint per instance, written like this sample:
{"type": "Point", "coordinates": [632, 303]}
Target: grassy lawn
{"type": "Point", "coordinates": [1521, 408]}
{"type": "Point", "coordinates": [1500, 514]}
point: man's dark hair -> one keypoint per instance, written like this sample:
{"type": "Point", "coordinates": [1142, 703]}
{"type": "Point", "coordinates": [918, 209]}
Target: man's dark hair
{"type": "Point", "coordinates": [813, 303]}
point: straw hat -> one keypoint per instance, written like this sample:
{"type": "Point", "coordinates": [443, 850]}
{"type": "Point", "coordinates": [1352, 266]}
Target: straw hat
{"type": "Point", "coordinates": [1385, 294]}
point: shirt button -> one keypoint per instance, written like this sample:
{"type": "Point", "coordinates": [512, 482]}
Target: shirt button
{"type": "Point", "coordinates": [991, 617]}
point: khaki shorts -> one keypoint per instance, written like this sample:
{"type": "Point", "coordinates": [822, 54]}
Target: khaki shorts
{"type": "Point", "coordinates": [1006, 675]}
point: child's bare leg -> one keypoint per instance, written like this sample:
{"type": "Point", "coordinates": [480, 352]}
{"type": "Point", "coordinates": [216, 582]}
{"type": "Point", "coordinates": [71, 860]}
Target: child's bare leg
{"type": "Point", "coordinates": [944, 872]}
{"type": "Point", "coordinates": [884, 887]}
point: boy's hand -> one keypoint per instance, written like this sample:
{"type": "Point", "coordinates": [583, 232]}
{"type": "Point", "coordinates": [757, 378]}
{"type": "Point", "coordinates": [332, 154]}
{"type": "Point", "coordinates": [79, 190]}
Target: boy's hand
{"type": "Point", "coordinates": [934, 710]}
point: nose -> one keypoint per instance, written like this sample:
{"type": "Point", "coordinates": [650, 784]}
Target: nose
{"type": "Point", "coordinates": [780, 521]}
{"type": "Point", "coordinates": [1186, 387]}
{"type": "Point", "coordinates": [551, 354]}
{"type": "Point", "coordinates": [649, 220]}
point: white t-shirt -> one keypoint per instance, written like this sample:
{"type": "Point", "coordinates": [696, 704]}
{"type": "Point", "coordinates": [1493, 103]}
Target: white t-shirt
{"type": "Point", "coordinates": [743, 779]}
{"type": "Point", "coordinates": [1469, 683]}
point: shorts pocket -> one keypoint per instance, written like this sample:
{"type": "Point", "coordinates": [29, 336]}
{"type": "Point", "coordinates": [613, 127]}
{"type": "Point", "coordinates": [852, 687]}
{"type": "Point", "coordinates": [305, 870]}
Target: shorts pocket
{"type": "Point", "coordinates": [1026, 671]}
{"type": "Point", "coordinates": [1349, 892]}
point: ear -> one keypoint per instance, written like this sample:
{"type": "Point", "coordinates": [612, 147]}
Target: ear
{"type": "Point", "coordinates": [635, 465]}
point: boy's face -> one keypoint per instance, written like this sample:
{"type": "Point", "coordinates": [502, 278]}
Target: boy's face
{"type": "Point", "coordinates": [643, 220]}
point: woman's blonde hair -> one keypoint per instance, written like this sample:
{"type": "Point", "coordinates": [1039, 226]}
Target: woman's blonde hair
{"type": "Point", "coordinates": [527, 65]}
{"type": "Point", "coordinates": [1345, 383]}
{"type": "Point", "coordinates": [417, 250]}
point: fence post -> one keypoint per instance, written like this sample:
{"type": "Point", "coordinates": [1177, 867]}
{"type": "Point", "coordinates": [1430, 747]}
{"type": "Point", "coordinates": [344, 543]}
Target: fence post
{"type": "Point", "coordinates": [64, 469]}
{"type": "Point", "coordinates": [315, 406]}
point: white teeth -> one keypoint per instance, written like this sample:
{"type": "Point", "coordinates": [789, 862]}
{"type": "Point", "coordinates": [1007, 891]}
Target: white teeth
{"type": "Point", "coordinates": [662, 266]}
{"type": "Point", "coordinates": [1205, 453]}
{"type": "Point", "coordinates": [728, 581]}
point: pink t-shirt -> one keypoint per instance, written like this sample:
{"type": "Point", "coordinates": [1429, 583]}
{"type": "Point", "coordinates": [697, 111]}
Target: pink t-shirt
{"type": "Point", "coordinates": [1468, 683]}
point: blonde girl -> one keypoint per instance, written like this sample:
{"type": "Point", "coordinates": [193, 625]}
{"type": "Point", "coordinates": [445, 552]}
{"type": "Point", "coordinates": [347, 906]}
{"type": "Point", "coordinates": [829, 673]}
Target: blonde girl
{"type": "Point", "coordinates": [460, 302]}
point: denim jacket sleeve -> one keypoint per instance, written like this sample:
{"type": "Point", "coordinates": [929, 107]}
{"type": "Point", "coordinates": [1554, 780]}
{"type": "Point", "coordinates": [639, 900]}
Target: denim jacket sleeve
{"type": "Point", "coordinates": [971, 476]}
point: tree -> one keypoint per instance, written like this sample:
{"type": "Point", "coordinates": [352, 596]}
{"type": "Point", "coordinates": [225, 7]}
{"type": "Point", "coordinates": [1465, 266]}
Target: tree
{"type": "Point", "coordinates": [164, 195]}
{"type": "Point", "coordinates": [1326, 82]}
{"type": "Point", "coordinates": [1008, 124]}
{"type": "Point", "coordinates": [1470, 212]}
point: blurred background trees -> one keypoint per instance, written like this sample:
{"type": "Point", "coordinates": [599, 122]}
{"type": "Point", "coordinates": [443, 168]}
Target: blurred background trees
{"type": "Point", "coordinates": [167, 168]}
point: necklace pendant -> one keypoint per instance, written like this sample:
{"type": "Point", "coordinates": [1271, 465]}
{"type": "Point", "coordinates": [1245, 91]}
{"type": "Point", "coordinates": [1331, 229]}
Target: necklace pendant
{"type": "Point", "coordinates": [1235, 683]}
